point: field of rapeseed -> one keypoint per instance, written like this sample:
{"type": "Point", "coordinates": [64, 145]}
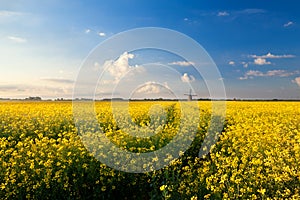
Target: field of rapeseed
{"type": "Point", "coordinates": [256, 157]}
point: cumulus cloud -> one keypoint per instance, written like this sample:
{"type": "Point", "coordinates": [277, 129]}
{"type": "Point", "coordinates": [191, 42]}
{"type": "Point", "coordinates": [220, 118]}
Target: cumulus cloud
{"type": "Point", "coordinates": [101, 34]}
{"type": "Point", "coordinates": [297, 81]}
{"type": "Point", "coordinates": [187, 78]}
{"type": "Point", "coordinates": [17, 39]}
{"type": "Point", "coordinates": [87, 31]}
{"type": "Point", "coordinates": [222, 14]}
{"type": "Point", "coordinates": [152, 87]}
{"type": "Point", "coordinates": [254, 73]}
{"type": "Point", "coordinates": [182, 63]}
{"type": "Point", "coordinates": [231, 63]}
{"type": "Point", "coordinates": [271, 73]}
{"type": "Point", "coordinates": [261, 61]}
{"type": "Point", "coordinates": [120, 67]}
{"type": "Point", "coordinates": [290, 23]}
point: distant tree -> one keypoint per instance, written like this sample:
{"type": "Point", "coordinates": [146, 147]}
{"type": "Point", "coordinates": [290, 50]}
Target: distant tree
{"type": "Point", "coordinates": [33, 98]}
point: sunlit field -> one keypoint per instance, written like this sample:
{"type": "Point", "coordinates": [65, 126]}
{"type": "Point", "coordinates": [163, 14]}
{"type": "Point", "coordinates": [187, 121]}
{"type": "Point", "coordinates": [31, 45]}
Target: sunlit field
{"type": "Point", "coordinates": [256, 157]}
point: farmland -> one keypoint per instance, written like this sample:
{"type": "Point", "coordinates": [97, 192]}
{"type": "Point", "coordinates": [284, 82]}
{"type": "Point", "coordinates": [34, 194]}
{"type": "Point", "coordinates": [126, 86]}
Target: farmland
{"type": "Point", "coordinates": [42, 154]}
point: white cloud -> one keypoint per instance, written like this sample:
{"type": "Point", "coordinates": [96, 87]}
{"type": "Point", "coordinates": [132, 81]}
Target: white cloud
{"type": "Point", "coordinates": [101, 34]}
{"type": "Point", "coordinates": [261, 61]}
{"type": "Point", "coordinates": [243, 78]}
{"type": "Point", "coordinates": [187, 78]}
{"type": "Point", "coordinates": [231, 63]}
{"type": "Point", "coordinates": [17, 39]}
{"type": "Point", "coordinates": [119, 67]}
{"type": "Point", "coordinates": [297, 81]}
{"type": "Point", "coordinates": [222, 14]}
{"type": "Point", "coordinates": [254, 73]}
{"type": "Point", "coordinates": [152, 87]}
{"type": "Point", "coordinates": [182, 63]}
{"type": "Point", "coordinates": [271, 73]}
{"type": "Point", "coordinates": [290, 23]}
{"type": "Point", "coordinates": [87, 31]}
{"type": "Point", "coordinates": [280, 73]}
{"type": "Point", "coordinates": [251, 74]}
{"type": "Point", "coordinates": [270, 55]}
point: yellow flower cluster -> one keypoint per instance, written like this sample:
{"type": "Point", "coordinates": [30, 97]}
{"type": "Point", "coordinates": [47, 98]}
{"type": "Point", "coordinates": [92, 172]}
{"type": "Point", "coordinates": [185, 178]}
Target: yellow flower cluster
{"type": "Point", "coordinates": [257, 156]}
{"type": "Point", "coordinates": [41, 156]}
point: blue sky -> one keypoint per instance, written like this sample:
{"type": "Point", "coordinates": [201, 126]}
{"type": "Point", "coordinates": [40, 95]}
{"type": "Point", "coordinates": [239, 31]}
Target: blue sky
{"type": "Point", "coordinates": [255, 45]}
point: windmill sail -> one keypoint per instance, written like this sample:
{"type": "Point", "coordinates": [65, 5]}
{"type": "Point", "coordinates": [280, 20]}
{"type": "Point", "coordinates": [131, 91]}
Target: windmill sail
{"type": "Point", "coordinates": [190, 95]}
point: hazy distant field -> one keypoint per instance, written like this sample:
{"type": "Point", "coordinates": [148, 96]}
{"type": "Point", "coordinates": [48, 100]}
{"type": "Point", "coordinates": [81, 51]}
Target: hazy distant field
{"type": "Point", "coordinates": [257, 156]}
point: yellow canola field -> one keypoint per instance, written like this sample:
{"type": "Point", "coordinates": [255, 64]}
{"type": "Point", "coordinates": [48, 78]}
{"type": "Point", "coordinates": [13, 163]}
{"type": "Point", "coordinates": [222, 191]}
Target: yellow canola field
{"type": "Point", "coordinates": [256, 157]}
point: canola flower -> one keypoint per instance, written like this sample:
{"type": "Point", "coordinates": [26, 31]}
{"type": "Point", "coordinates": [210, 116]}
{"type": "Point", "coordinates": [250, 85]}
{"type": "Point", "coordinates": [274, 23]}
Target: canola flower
{"type": "Point", "coordinates": [257, 156]}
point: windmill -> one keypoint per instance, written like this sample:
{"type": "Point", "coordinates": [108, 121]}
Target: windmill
{"type": "Point", "coordinates": [190, 95]}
